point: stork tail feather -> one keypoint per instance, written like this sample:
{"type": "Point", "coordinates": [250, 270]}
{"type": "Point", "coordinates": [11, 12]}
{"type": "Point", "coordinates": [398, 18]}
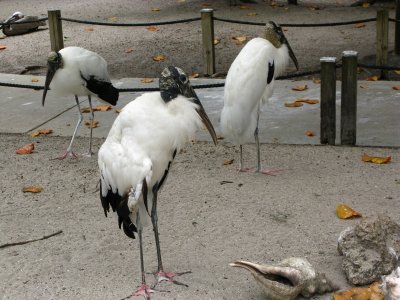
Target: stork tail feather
{"type": "Point", "coordinates": [103, 89]}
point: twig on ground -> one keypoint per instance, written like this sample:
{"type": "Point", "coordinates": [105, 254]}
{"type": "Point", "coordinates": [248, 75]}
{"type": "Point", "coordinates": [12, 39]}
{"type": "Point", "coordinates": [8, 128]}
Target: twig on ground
{"type": "Point", "coordinates": [30, 241]}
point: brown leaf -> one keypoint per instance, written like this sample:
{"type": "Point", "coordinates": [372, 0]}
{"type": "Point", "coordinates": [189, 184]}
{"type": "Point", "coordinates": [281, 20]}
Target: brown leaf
{"type": "Point", "coordinates": [129, 50]}
{"type": "Point", "coordinates": [308, 101]}
{"type": "Point", "coordinates": [85, 110]}
{"type": "Point", "coordinates": [294, 104]}
{"type": "Point", "coordinates": [244, 7]}
{"type": "Point", "coordinates": [89, 29]}
{"type": "Point", "coordinates": [2, 47]}
{"type": "Point", "coordinates": [300, 88]}
{"type": "Point", "coordinates": [35, 133]}
{"type": "Point", "coordinates": [359, 25]}
{"type": "Point", "coordinates": [252, 14]}
{"type": "Point", "coordinates": [345, 212]}
{"type": "Point", "coordinates": [113, 19]}
{"type": "Point", "coordinates": [155, 9]}
{"type": "Point", "coordinates": [373, 292]}
{"type": "Point", "coordinates": [396, 87]}
{"type": "Point", "coordinates": [194, 75]}
{"type": "Point", "coordinates": [146, 80]}
{"type": "Point", "coordinates": [118, 110]}
{"type": "Point", "coordinates": [317, 81]}
{"type": "Point", "coordinates": [397, 72]}
{"type": "Point", "coordinates": [220, 137]}
{"type": "Point", "coordinates": [366, 5]}
{"type": "Point", "coordinates": [216, 41]}
{"type": "Point", "coordinates": [309, 133]}
{"type": "Point", "coordinates": [228, 162]}
{"type": "Point", "coordinates": [93, 124]}
{"type": "Point", "coordinates": [372, 78]}
{"type": "Point", "coordinates": [32, 189]}
{"type": "Point", "coordinates": [34, 79]}
{"type": "Point", "coordinates": [27, 149]}
{"type": "Point", "coordinates": [159, 57]}
{"type": "Point", "coordinates": [45, 131]}
{"type": "Point", "coordinates": [376, 159]}
{"type": "Point", "coordinates": [152, 28]}
{"type": "Point", "coordinates": [239, 40]}
{"type": "Point", "coordinates": [102, 107]}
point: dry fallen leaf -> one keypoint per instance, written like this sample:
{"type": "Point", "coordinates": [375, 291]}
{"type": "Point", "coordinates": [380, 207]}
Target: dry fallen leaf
{"type": "Point", "coordinates": [228, 162]}
{"type": "Point", "coordinates": [155, 9]}
{"type": "Point", "coordinates": [152, 28]}
{"type": "Point", "coordinates": [359, 25]}
{"type": "Point", "coordinates": [118, 110]}
{"type": "Point", "coordinates": [376, 159]}
{"type": "Point", "coordinates": [239, 40]}
{"type": "Point", "coordinates": [34, 80]}
{"type": "Point", "coordinates": [366, 5]}
{"type": "Point", "coordinates": [146, 80]}
{"type": "Point", "coordinates": [294, 104]}
{"type": "Point", "coordinates": [89, 29]}
{"type": "Point", "coordinates": [41, 131]}
{"type": "Point", "coordinates": [317, 81]}
{"type": "Point", "coordinates": [220, 137]}
{"type": "Point", "coordinates": [129, 50]}
{"type": "Point", "coordinates": [2, 47]}
{"type": "Point", "coordinates": [244, 7]}
{"type": "Point", "coordinates": [194, 75]}
{"type": "Point", "coordinates": [35, 133]}
{"type": "Point", "coordinates": [396, 88]}
{"type": "Point", "coordinates": [32, 189]}
{"type": "Point", "coordinates": [93, 124]}
{"type": "Point", "coordinates": [102, 107]}
{"type": "Point", "coordinates": [85, 110]}
{"type": "Point", "coordinates": [27, 149]}
{"type": "Point", "coordinates": [372, 78]}
{"type": "Point", "coordinates": [252, 14]}
{"type": "Point", "coordinates": [300, 88]}
{"type": "Point", "coordinates": [308, 101]}
{"type": "Point", "coordinates": [345, 212]}
{"type": "Point", "coordinates": [309, 133]}
{"type": "Point", "coordinates": [397, 72]}
{"type": "Point", "coordinates": [372, 292]}
{"type": "Point", "coordinates": [159, 57]}
{"type": "Point", "coordinates": [216, 41]}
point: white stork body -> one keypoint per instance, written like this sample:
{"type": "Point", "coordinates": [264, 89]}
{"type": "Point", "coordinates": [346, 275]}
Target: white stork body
{"type": "Point", "coordinates": [134, 160]}
{"type": "Point", "coordinates": [79, 72]}
{"type": "Point", "coordinates": [249, 84]}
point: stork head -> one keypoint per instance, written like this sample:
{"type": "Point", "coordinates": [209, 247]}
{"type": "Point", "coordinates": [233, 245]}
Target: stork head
{"type": "Point", "coordinates": [54, 62]}
{"type": "Point", "coordinates": [15, 17]}
{"type": "Point", "coordinates": [174, 82]}
{"type": "Point", "coordinates": [274, 34]}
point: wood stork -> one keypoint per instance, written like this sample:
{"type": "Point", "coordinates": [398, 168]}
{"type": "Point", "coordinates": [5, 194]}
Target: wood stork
{"type": "Point", "coordinates": [77, 71]}
{"type": "Point", "coordinates": [250, 83]}
{"type": "Point", "coordinates": [16, 25]}
{"type": "Point", "coordinates": [134, 160]}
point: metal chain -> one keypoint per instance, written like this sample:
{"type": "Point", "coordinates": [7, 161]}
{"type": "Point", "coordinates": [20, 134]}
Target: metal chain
{"type": "Point", "coordinates": [131, 24]}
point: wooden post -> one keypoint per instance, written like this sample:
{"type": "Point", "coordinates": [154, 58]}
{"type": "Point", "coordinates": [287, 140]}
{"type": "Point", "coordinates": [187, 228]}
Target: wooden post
{"type": "Point", "coordinates": [382, 40]}
{"type": "Point", "coordinates": [348, 115]}
{"type": "Point", "coordinates": [397, 30]}
{"type": "Point", "coordinates": [55, 29]}
{"type": "Point", "coordinates": [207, 28]}
{"type": "Point", "coordinates": [328, 100]}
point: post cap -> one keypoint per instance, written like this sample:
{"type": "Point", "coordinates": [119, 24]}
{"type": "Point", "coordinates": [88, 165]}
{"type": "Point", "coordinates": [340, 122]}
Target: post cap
{"type": "Point", "coordinates": [330, 59]}
{"type": "Point", "coordinates": [349, 53]}
{"type": "Point", "coordinates": [206, 10]}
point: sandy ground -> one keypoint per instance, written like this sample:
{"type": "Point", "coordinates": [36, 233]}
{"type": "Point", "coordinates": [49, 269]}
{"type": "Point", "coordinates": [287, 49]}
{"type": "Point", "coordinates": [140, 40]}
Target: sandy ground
{"type": "Point", "coordinates": [181, 43]}
{"type": "Point", "coordinates": [204, 223]}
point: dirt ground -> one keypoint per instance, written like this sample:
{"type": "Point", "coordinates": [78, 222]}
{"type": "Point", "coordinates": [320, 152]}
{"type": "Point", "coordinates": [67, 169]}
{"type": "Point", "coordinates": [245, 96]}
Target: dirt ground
{"type": "Point", "coordinates": [209, 214]}
{"type": "Point", "coordinates": [181, 43]}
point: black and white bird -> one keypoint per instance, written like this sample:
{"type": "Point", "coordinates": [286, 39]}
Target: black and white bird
{"type": "Point", "coordinates": [249, 84]}
{"type": "Point", "coordinates": [18, 23]}
{"type": "Point", "coordinates": [135, 159]}
{"type": "Point", "coordinates": [80, 72]}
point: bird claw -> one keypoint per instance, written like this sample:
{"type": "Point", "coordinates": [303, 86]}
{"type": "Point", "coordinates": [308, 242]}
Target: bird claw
{"type": "Point", "coordinates": [262, 171]}
{"type": "Point", "coordinates": [169, 276]}
{"type": "Point", "coordinates": [67, 153]}
{"type": "Point", "coordinates": [144, 291]}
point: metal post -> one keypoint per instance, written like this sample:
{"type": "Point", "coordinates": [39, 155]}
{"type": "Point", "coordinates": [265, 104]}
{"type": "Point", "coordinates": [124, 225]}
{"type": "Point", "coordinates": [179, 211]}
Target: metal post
{"type": "Point", "coordinates": [328, 100]}
{"type": "Point", "coordinates": [55, 29]}
{"type": "Point", "coordinates": [348, 115]}
{"type": "Point", "coordinates": [397, 30]}
{"type": "Point", "coordinates": [382, 40]}
{"type": "Point", "coordinates": [207, 28]}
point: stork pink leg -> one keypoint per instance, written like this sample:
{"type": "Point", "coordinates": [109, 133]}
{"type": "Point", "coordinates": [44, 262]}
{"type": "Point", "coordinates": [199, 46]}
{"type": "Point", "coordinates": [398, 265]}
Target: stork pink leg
{"type": "Point", "coordinates": [169, 276]}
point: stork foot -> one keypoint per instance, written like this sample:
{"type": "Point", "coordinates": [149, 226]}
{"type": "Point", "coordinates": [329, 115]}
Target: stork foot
{"type": "Point", "coordinates": [144, 291]}
{"type": "Point", "coordinates": [169, 276]}
{"type": "Point", "coordinates": [87, 154]}
{"type": "Point", "coordinates": [69, 153]}
{"type": "Point", "coordinates": [261, 171]}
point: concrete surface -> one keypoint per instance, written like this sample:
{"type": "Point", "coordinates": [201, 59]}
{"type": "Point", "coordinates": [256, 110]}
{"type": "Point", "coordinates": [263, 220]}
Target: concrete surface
{"type": "Point", "coordinates": [378, 117]}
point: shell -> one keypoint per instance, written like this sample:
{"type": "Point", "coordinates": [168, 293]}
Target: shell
{"type": "Point", "coordinates": [287, 279]}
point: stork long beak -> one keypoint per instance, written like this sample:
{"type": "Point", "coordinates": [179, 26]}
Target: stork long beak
{"type": "Point", "coordinates": [190, 93]}
{"type": "Point", "coordinates": [291, 54]}
{"type": "Point", "coordinates": [51, 70]}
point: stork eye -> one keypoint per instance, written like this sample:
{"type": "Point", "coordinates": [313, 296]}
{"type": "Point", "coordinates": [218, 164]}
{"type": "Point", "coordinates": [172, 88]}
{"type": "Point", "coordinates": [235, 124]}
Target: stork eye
{"type": "Point", "coordinates": [183, 78]}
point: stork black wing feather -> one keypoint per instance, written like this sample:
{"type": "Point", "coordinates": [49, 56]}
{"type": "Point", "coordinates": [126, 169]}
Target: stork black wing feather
{"type": "Point", "coordinates": [271, 71]}
{"type": "Point", "coordinates": [103, 89]}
